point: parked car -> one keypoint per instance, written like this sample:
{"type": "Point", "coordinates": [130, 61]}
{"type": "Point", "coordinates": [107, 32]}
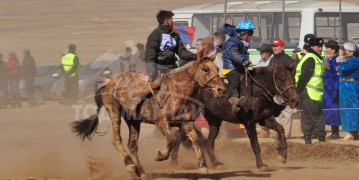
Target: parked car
{"type": "Point", "coordinates": [45, 77]}
{"type": "Point", "coordinates": [106, 65]}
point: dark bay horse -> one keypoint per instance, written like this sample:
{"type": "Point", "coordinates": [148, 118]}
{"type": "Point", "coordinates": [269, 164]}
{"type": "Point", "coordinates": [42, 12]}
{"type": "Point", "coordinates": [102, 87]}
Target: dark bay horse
{"type": "Point", "coordinates": [259, 86]}
{"type": "Point", "coordinates": [176, 96]}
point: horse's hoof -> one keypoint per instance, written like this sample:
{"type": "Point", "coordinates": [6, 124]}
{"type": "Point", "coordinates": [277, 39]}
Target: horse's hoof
{"type": "Point", "coordinates": [282, 159]}
{"type": "Point", "coordinates": [160, 156]}
{"type": "Point", "coordinates": [203, 170]}
{"type": "Point", "coordinates": [218, 166]}
{"type": "Point", "coordinates": [144, 177]}
{"type": "Point", "coordinates": [131, 167]}
{"type": "Point", "coordinates": [264, 167]}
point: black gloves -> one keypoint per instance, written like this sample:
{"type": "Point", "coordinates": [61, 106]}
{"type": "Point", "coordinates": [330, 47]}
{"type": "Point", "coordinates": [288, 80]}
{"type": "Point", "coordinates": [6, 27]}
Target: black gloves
{"type": "Point", "coordinates": [246, 63]}
{"type": "Point", "coordinates": [193, 57]}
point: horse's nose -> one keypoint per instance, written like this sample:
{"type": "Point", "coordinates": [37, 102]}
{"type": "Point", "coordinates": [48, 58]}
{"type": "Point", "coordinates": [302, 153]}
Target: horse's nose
{"type": "Point", "coordinates": [221, 90]}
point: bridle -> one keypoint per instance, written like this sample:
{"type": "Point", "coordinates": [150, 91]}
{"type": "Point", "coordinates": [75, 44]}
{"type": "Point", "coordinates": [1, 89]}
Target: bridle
{"type": "Point", "coordinates": [202, 84]}
{"type": "Point", "coordinates": [264, 90]}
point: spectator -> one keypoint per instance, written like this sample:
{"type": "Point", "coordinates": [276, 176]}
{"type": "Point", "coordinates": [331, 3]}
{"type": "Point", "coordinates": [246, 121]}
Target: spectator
{"type": "Point", "coordinates": [283, 114]}
{"type": "Point", "coordinates": [295, 52]}
{"type": "Point", "coordinates": [219, 38]}
{"type": "Point", "coordinates": [3, 83]}
{"type": "Point", "coordinates": [28, 74]}
{"type": "Point", "coordinates": [199, 46]}
{"type": "Point", "coordinates": [349, 92]}
{"type": "Point", "coordinates": [330, 103]}
{"type": "Point", "coordinates": [70, 66]}
{"type": "Point", "coordinates": [13, 67]}
{"type": "Point", "coordinates": [266, 53]}
{"type": "Point", "coordinates": [299, 56]}
{"type": "Point", "coordinates": [207, 49]}
{"type": "Point", "coordinates": [140, 54]}
{"type": "Point", "coordinates": [309, 86]}
{"type": "Point", "coordinates": [126, 59]}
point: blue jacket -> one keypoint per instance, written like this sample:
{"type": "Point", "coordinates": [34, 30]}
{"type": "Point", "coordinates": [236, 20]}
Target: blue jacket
{"type": "Point", "coordinates": [234, 49]}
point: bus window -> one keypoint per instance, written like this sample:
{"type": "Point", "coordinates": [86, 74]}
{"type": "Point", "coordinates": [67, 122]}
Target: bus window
{"type": "Point", "coordinates": [327, 26]}
{"type": "Point", "coordinates": [181, 23]}
{"type": "Point", "coordinates": [204, 24]}
{"type": "Point", "coordinates": [229, 19]}
{"type": "Point", "coordinates": [353, 32]}
{"type": "Point", "coordinates": [263, 24]}
{"type": "Point", "coordinates": [291, 31]}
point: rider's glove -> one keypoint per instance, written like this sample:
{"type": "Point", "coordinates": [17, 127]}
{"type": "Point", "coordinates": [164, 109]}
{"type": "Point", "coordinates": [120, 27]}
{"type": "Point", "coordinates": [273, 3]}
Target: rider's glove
{"type": "Point", "coordinates": [193, 57]}
{"type": "Point", "coordinates": [246, 63]}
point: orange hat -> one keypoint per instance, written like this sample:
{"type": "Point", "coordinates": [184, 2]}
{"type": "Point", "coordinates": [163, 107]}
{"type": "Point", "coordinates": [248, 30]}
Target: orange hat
{"type": "Point", "coordinates": [278, 42]}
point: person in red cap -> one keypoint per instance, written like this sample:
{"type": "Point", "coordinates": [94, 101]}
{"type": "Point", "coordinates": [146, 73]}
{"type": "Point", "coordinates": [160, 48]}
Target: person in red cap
{"type": "Point", "coordinates": [283, 114]}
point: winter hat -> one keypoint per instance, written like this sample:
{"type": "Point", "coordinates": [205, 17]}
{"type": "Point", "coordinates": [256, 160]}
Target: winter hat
{"type": "Point", "coordinates": [332, 44]}
{"type": "Point", "coordinates": [316, 42]}
{"type": "Point", "coordinates": [350, 46]}
{"type": "Point", "coordinates": [307, 38]}
{"type": "Point", "coordinates": [265, 48]}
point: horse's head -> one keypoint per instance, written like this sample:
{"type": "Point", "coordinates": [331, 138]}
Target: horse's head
{"type": "Point", "coordinates": [284, 83]}
{"type": "Point", "coordinates": [206, 75]}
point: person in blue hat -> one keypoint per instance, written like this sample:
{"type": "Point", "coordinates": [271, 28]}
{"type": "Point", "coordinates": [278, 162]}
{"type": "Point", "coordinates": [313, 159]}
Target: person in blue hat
{"type": "Point", "coordinates": [236, 58]}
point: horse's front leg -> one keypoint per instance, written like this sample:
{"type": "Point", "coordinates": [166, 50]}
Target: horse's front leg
{"type": "Point", "coordinates": [163, 126]}
{"type": "Point", "coordinates": [252, 134]}
{"type": "Point", "coordinates": [174, 154]}
{"type": "Point", "coordinates": [213, 134]}
{"type": "Point", "coordinates": [190, 131]}
{"type": "Point", "coordinates": [282, 146]}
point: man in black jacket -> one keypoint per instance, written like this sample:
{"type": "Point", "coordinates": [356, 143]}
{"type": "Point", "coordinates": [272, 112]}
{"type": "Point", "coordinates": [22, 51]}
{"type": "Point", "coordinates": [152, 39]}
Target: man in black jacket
{"type": "Point", "coordinates": [28, 72]}
{"type": "Point", "coordinates": [162, 45]}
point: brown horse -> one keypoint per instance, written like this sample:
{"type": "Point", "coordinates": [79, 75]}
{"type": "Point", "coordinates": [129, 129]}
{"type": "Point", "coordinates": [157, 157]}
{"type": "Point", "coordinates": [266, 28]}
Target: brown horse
{"type": "Point", "coordinates": [259, 86]}
{"type": "Point", "coordinates": [179, 109]}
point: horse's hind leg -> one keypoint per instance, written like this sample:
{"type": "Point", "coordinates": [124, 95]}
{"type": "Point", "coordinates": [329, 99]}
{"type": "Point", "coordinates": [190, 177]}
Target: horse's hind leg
{"type": "Point", "coordinates": [252, 134]}
{"type": "Point", "coordinates": [282, 146]}
{"type": "Point", "coordinates": [134, 132]}
{"type": "Point", "coordinates": [189, 130]}
{"type": "Point", "coordinates": [117, 139]}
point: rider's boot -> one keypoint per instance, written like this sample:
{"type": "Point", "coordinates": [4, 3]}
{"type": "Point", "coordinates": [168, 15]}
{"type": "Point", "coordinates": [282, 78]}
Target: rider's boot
{"type": "Point", "coordinates": [237, 103]}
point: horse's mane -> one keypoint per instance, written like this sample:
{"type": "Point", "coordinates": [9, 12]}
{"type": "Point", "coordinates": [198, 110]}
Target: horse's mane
{"type": "Point", "coordinates": [182, 68]}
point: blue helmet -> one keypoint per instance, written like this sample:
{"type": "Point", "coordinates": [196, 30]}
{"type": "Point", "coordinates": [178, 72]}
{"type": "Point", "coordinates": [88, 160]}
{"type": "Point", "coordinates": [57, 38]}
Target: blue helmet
{"type": "Point", "coordinates": [245, 25]}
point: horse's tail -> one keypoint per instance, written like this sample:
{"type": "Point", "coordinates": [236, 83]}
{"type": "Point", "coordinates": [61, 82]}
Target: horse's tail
{"type": "Point", "coordinates": [85, 128]}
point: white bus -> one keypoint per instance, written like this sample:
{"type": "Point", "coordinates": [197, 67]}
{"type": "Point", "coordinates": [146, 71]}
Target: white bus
{"type": "Point", "coordinates": [300, 17]}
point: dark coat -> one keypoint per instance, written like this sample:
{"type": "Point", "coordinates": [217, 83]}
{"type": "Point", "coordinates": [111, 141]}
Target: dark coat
{"type": "Point", "coordinates": [28, 66]}
{"type": "Point", "coordinates": [234, 49]}
{"type": "Point", "coordinates": [162, 45]}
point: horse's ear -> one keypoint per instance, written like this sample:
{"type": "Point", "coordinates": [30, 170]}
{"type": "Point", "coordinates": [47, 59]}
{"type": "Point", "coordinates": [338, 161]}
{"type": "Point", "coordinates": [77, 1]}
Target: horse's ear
{"type": "Point", "coordinates": [200, 56]}
{"type": "Point", "coordinates": [290, 66]}
{"type": "Point", "coordinates": [213, 56]}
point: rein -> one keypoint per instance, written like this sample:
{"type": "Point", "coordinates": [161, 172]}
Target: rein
{"type": "Point", "coordinates": [264, 90]}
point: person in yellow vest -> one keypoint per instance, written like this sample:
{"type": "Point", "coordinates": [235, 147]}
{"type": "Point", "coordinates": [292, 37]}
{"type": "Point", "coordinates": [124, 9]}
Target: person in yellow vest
{"type": "Point", "coordinates": [70, 65]}
{"type": "Point", "coordinates": [309, 86]}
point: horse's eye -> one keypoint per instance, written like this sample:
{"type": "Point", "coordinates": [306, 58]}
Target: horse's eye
{"type": "Point", "coordinates": [206, 69]}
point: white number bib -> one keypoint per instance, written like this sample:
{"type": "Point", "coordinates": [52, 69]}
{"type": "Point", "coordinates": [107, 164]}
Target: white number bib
{"type": "Point", "coordinates": [168, 42]}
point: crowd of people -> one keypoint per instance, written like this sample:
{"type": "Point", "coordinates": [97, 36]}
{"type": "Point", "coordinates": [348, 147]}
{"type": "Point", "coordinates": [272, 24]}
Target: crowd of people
{"type": "Point", "coordinates": [11, 71]}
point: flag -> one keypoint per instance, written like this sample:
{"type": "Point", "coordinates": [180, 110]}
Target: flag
{"type": "Point", "coordinates": [186, 33]}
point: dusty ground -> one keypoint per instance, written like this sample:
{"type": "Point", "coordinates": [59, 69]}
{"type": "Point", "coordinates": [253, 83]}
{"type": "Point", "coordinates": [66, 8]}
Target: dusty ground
{"type": "Point", "coordinates": [37, 142]}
